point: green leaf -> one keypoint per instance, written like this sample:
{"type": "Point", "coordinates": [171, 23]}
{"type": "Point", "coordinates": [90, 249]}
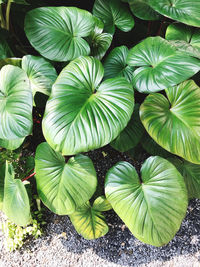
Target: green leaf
{"type": "Point", "coordinates": [101, 204]}
{"type": "Point", "coordinates": [89, 221]}
{"type": "Point", "coordinates": [85, 111]}
{"type": "Point", "coordinates": [21, 2]}
{"type": "Point", "coordinates": [40, 72]}
{"type": "Point", "coordinates": [15, 104]}
{"type": "Point", "coordinates": [63, 186]}
{"type": "Point", "coordinates": [186, 39]}
{"type": "Point", "coordinates": [185, 11]}
{"type": "Point", "coordinates": [5, 50]}
{"type": "Point", "coordinates": [115, 64]}
{"type": "Point", "coordinates": [57, 33]}
{"type": "Point", "coordinates": [11, 144]}
{"type": "Point", "coordinates": [11, 61]}
{"type": "Point", "coordinates": [16, 202]}
{"type": "Point", "coordinates": [153, 148]}
{"type": "Point", "coordinates": [174, 122]}
{"type": "Point", "coordinates": [113, 13]}
{"type": "Point", "coordinates": [2, 177]}
{"type": "Point", "coordinates": [152, 207]}
{"type": "Point", "coordinates": [99, 41]}
{"type": "Point", "coordinates": [191, 175]}
{"type": "Point", "coordinates": [160, 65]}
{"type": "Point", "coordinates": [131, 135]}
{"type": "Point", "coordinates": [142, 10]}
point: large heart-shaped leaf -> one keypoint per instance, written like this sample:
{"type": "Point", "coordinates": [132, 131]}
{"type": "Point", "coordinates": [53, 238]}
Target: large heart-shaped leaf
{"type": "Point", "coordinates": [99, 41]}
{"type": "Point", "coordinates": [89, 221]}
{"type": "Point", "coordinates": [152, 206]}
{"type": "Point", "coordinates": [185, 11]}
{"type": "Point", "coordinates": [11, 144]}
{"type": "Point", "coordinates": [115, 64]}
{"type": "Point", "coordinates": [57, 33]}
{"type": "Point", "coordinates": [184, 38]}
{"type": "Point", "coordinates": [2, 177]}
{"type": "Point", "coordinates": [15, 103]}
{"type": "Point", "coordinates": [63, 186]}
{"type": "Point", "coordinates": [16, 202]}
{"type": "Point", "coordinates": [191, 175]}
{"type": "Point", "coordinates": [142, 10]}
{"type": "Point", "coordinates": [160, 65]}
{"type": "Point", "coordinates": [82, 113]}
{"type": "Point", "coordinates": [40, 72]}
{"type": "Point", "coordinates": [113, 13]}
{"type": "Point", "coordinates": [131, 135]}
{"type": "Point", "coordinates": [174, 123]}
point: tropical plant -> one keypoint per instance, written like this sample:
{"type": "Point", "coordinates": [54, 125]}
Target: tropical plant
{"type": "Point", "coordinates": [93, 91]}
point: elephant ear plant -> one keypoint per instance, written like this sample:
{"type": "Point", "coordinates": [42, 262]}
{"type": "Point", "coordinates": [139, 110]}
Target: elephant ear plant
{"type": "Point", "coordinates": [96, 91]}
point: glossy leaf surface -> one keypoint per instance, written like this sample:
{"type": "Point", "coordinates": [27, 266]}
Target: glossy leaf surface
{"type": "Point", "coordinates": [11, 144]}
{"type": "Point", "coordinates": [113, 13]}
{"type": "Point", "coordinates": [57, 33]}
{"type": "Point", "coordinates": [185, 11]}
{"type": "Point", "coordinates": [159, 65]}
{"type": "Point", "coordinates": [152, 208]}
{"type": "Point", "coordinates": [174, 122]}
{"type": "Point", "coordinates": [63, 186]}
{"type": "Point", "coordinates": [142, 10]}
{"type": "Point", "coordinates": [16, 202]}
{"type": "Point", "coordinates": [15, 103]}
{"type": "Point", "coordinates": [84, 114]}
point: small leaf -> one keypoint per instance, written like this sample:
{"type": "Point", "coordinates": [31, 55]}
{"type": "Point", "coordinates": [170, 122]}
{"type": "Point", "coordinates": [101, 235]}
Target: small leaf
{"type": "Point", "coordinates": [63, 187]}
{"type": "Point", "coordinates": [16, 202]}
{"type": "Point", "coordinates": [113, 13]}
{"type": "Point", "coordinates": [152, 206]}
{"type": "Point", "coordinates": [101, 204]}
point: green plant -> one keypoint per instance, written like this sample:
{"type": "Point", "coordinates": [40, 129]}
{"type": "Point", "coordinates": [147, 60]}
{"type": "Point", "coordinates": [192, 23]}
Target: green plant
{"type": "Point", "coordinates": [90, 104]}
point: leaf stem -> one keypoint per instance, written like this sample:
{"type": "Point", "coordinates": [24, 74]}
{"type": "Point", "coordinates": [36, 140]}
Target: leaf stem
{"type": "Point", "coordinates": [28, 177]}
{"type": "Point", "coordinates": [3, 24]}
{"type": "Point", "coordinates": [8, 14]}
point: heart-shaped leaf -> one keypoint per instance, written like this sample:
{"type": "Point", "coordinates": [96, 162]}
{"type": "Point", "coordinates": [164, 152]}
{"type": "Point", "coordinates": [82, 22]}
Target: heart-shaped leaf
{"type": "Point", "coordinates": [113, 13]}
{"type": "Point", "coordinates": [174, 123]}
{"type": "Point", "coordinates": [16, 202]}
{"type": "Point", "coordinates": [185, 11]}
{"type": "Point", "coordinates": [152, 207]}
{"type": "Point", "coordinates": [2, 177]}
{"type": "Point", "coordinates": [15, 103]}
{"type": "Point", "coordinates": [11, 144]}
{"type": "Point", "coordinates": [82, 113]}
{"type": "Point", "coordinates": [142, 10]}
{"type": "Point", "coordinates": [186, 39]}
{"type": "Point", "coordinates": [40, 72]}
{"type": "Point", "coordinates": [131, 135]}
{"type": "Point", "coordinates": [115, 64]}
{"type": "Point", "coordinates": [160, 65]}
{"type": "Point", "coordinates": [89, 221]}
{"type": "Point", "coordinates": [191, 175]}
{"type": "Point", "coordinates": [99, 41]}
{"type": "Point", "coordinates": [57, 33]}
{"type": "Point", "coordinates": [63, 186]}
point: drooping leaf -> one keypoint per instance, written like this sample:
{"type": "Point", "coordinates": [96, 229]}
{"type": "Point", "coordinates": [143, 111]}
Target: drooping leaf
{"type": "Point", "coordinates": [2, 178]}
{"type": "Point", "coordinates": [185, 11]}
{"type": "Point", "coordinates": [152, 147]}
{"type": "Point", "coordinates": [16, 204]}
{"type": "Point", "coordinates": [115, 64]}
{"type": "Point", "coordinates": [152, 207]}
{"type": "Point", "coordinates": [57, 33]}
{"type": "Point", "coordinates": [40, 72]}
{"type": "Point", "coordinates": [5, 50]}
{"type": "Point", "coordinates": [10, 61]}
{"type": "Point", "coordinates": [131, 135]}
{"type": "Point", "coordinates": [89, 221]}
{"type": "Point", "coordinates": [15, 104]}
{"type": "Point", "coordinates": [186, 39]}
{"type": "Point", "coordinates": [142, 10]}
{"type": "Point", "coordinates": [191, 175]}
{"type": "Point", "coordinates": [82, 113]}
{"type": "Point", "coordinates": [63, 186]}
{"type": "Point", "coordinates": [99, 41]}
{"type": "Point", "coordinates": [174, 122]}
{"type": "Point", "coordinates": [159, 65]}
{"type": "Point", "coordinates": [113, 13]}
{"type": "Point", "coordinates": [11, 144]}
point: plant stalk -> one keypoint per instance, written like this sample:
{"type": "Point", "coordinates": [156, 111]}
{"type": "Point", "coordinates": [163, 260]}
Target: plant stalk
{"type": "Point", "coordinates": [28, 177]}
{"type": "Point", "coordinates": [8, 14]}
{"type": "Point", "coordinates": [3, 23]}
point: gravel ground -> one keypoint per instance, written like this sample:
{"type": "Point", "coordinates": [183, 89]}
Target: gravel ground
{"type": "Point", "coordinates": [62, 246]}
